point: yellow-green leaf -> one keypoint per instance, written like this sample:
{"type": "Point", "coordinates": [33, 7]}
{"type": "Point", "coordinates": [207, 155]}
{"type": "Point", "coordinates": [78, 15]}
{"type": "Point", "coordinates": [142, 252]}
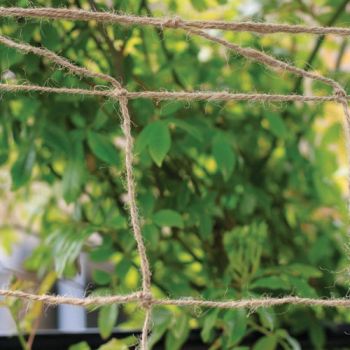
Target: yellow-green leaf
{"type": "Point", "coordinates": [266, 343]}
{"type": "Point", "coordinates": [107, 318]}
{"type": "Point", "coordinates": [22, 169]}
{"type": "Point", "coordinates": [159, 142]}
{"type": "Point", "coordinates": [277, 125]}
{"type": "Point", "coordinates": [156, 137]}
{"type": "Point", "coordinates": [102, 148]}
{"type": "Point", "coordinates": [224, 156]}
{"type": "Point", "coordinates": [167, 217]}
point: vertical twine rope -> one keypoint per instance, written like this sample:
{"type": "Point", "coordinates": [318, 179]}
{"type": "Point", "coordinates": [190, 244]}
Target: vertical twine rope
{"type": "Point", "coordinates": [134, 215]}
{"type": "Point", "coordinates": [130, 183]}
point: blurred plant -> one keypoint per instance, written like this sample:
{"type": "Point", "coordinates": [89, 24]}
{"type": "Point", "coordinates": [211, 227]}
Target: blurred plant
{"type": "Point", "coordinates": [238, 201]}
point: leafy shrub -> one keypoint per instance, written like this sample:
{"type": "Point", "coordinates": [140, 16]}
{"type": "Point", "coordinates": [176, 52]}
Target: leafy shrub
{"type": "Point", "coordinates": [238, 200]}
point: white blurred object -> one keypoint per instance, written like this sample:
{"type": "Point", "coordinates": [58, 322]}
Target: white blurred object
{"type": "Point", "coordinates": [73, 318]}
{"type": "Point", "coordinates": [250, 8]}
{"type": "Point", "coordinates": [9, 265]}
{"type": "Point", "coordinates": [8, 75]}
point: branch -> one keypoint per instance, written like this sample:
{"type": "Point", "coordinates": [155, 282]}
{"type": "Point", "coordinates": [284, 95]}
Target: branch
{"type": "Point", "coordinates": [169, 56]}
{"type": "Point", "coordinates": [320, 41]}
{"type": "Point", "coordinates": [116, 54]}
{"type": "Point", "coordinates": [341, 54]}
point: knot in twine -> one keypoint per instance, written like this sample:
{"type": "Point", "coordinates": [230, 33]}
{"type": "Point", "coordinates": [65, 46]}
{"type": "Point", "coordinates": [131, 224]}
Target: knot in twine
{"type": "Point", "coordinates": [340, 93]}
{"type": "Point", "coordinates": [174, 22]}
{"type": "Point", "coordinates": [120, 92]}
{"type": "Point", "coordinates": [146, 300]}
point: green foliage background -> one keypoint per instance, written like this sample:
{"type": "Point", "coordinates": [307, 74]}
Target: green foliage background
{"type": "Point", "coordinates": [239, 200]}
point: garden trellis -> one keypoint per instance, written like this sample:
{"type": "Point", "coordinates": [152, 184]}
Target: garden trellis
{"type": "Point", "coordinates": [118, 93]}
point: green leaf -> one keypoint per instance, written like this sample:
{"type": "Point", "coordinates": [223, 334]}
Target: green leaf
{"type": "Point", "coordinates": [199, 5]}
{"type": "Point", "coordinates": [72, 180]}
{"type": "Point", "coordinates": [156, 137]}
{"type": "Point", "coordinates": [66, 244]}
{"type": "Point", "coordinates": [29, 108]}
{"type": "Point", "coordinates": [266, 343]}
{"type": "Point", "coordinates": [102, 253]}
{"type": "Point", "coordinates": [205, 225]}
{"type": "Point", "coordinates": [178, 332]}
{"type": "Point", "coordinates": [4, 143]}
{"type": "Point", "coordinates": [181, 326]}
{"type": "Point", "coordinates": [306, 271]}
{"type": "Point", "coordinates": [190, 129]}
{"type": "Point", "coordinates": [271, 282]}
{"type": "Point", "coordinates": [224, 156]}
{"type": "Point", "coordinates": [332, 134]}
{"type": "Point", "coordinates": [170, 107]}
{"type": "Point", "coordinates": [168, 217]}
{"type": "Point", "coordinates": [80, 346]}
{"type": "Point", "coordinates": [57, 139]}
{"type": "Point", "coordinates": [277, 125]}
{"type": "Point", "coordinates": [118, 344]}
{"type": "Point", "coordinates": [317, 335]}
{"type": "Point", "coordinates": [103, 148]}
{"type": "Point", "coordinates": [49, 36]}
{"type": "Point", "coordinates": [123, 267]}
{"type": "Point", "coordinates": [151, 234]}
{"type": "Point", "coordinates": [267, 318]}
{"type": "Point", "coordinates": [294, 344]}
{"type": "Point", "coordinates": [143, 138]}
{"type": "Point", "coordinates": [147, 202]}
{"type": "Point", "coordinates": [236, 325]}
{"type": "Point", "coordinates": [302, 287]}
{"type": "Point", "coordinates": [247, 204]}
{"type": "Point", "coordinates": [22, 169]}
{"type": "Point", "coordinates": [159, 142]}
{"type": "Point", "coordinates": [107, 318]}
{"type": "Point", "coordinates": [282, 333]}
{"type": "Point", "coordinates": [9, 57]}
{"type": "Point", "coordinates": [209, 324]}
{"type": "Point", "coordinates": [161, 321]}
{"type": "Point", "coordinates": [101, 277]}
{"type": "Point", "coordinates": [73, 176]}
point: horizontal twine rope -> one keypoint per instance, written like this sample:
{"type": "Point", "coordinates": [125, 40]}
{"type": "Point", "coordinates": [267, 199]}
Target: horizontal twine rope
{"type": "Point", "coordinates": [172, 95]}
{"type": "Point", "coordinates": [126, 19]}
{"type": "Point", "coordinates": [141, 297]}
{"type": "Point", "coordinates": [117, 92]}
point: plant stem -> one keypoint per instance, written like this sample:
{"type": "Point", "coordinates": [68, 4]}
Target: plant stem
{"type": "Point", "coordinates": [19, 332]}
{"type": "Point", "coordinates": [320, 41]}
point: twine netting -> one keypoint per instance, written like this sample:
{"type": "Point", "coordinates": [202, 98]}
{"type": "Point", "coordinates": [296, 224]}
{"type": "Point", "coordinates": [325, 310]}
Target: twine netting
{"type": "Point", "coordinates": [117, 92]}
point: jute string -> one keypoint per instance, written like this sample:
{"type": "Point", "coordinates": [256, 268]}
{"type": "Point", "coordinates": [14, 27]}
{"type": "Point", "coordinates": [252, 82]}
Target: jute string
{"type": "Point", "coordinates": [117, 92]}
{"type": "Point", "coordinates": [173, 95]}
{"type": "Point", "coordinates": [108, 17]}
{"type": "Point", "coordinates": [139, 297]}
